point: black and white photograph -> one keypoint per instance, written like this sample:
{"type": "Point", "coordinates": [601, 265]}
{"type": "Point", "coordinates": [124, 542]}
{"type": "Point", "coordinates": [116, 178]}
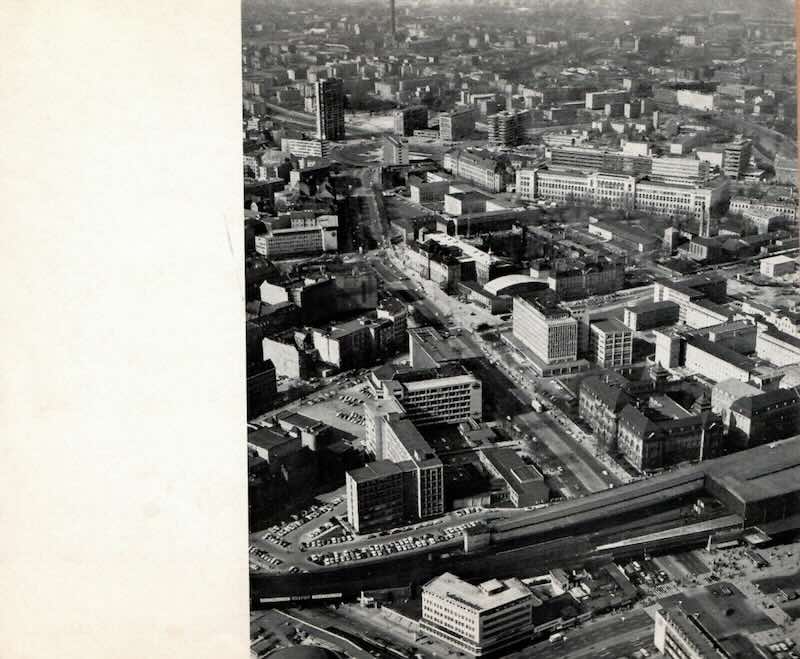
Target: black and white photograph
{"type": "Point", "coordinates": [523, 345]}
{"type": "Point", "coordinates": [399, 329]}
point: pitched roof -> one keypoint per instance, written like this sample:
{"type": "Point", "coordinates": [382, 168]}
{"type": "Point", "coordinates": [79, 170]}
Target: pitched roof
{"type": "Point", "coordinates": [753, 404]}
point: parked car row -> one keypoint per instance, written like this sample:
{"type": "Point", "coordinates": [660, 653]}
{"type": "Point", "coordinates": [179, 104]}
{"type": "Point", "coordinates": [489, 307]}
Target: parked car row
{"type": "Point", "coordinates": [352, 417]}
{"type": "Point", "coordinates": [276, 532]}
{"type": "Point", "coordinates": [265, 556]}
{"type": "Point", "coordinates": [401, 545]}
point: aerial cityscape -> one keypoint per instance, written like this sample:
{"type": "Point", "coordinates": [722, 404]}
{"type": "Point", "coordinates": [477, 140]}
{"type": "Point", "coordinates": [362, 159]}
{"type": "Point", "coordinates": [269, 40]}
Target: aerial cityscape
{"type": "Point", "coordinates": [523, 328]}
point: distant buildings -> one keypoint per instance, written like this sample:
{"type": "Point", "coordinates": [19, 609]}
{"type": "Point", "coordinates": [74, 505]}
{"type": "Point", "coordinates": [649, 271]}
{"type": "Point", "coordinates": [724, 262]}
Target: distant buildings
{"type": "Point", "coordinates": [777, 266]}
{"type": "Point", "coordinates": [619, 191]}
{"type": "Point", "coordinates": [598, 100]}
{"type": "Point", "coordinates": [477, 620]}
{"type": "Point", "coordinates": [329, 108]}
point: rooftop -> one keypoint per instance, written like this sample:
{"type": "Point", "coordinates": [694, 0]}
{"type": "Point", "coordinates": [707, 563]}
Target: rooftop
{"type": "Point", "coordinates": [489, 595]}
{"type": "Point", "coordinates": [414, 443]}
{"type": "Point", "coordinates": [721, 352]}
{"type": "Point", "coordinates": [611, 326]}
{"type": "Point", "coordinates": [374, 471]}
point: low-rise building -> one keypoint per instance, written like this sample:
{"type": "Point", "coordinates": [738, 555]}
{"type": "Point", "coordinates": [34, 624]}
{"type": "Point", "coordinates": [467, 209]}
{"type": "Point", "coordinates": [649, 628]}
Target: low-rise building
{"type": "Point", "coordinates": [777, 266]}
{"type": "Point", "coordinates": [288, 237]}
{"type": "Point", "coordinates": [482, 168]}
{"type": "Point", "coordinates": [477, 620]}
{"type": "Point", "coordinates": [524, 485]}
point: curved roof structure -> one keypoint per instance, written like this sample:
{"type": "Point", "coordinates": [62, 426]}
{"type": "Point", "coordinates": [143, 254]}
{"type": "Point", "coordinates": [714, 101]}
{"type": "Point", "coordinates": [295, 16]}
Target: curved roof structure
{"type": "Point", "coordinates": [496, 286]}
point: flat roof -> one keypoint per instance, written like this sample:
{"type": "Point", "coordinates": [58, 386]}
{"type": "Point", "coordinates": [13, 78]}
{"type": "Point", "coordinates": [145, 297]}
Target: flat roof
{"type": "Point", "coordinates": [489, 595]}
{"type": "Point", "coordinates": [374, 471]}
{"type": "Point", "coordinates": [611, 326]}
{"type": "Point", "coordinates": [420, 451]}
{"type": "Point", "coordinates": [268, 438]}
{"type": "Point", "coordinates": [644, 307]}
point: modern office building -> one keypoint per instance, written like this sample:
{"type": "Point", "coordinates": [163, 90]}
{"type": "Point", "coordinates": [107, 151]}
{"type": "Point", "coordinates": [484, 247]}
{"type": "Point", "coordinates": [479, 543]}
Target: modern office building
{"type": "Point", "coordinates": [736, 157]}
{"type": "Point", "coordinates": [777, 266]}
{"type": "Point", "coordinates": [598, 100]}
{"type": "Point", "coordinates": [374, 495]}
{"type": "Point", "coordinates": [457, 124]}
{"type": "Point", "coordinates": [507, 128]}
{"type": "Point", "coordinates": [306, 148]}
{"type": "Point", "coordinates": [395, 151]}
{"type": "Point", "coordinates": [442, 395]}
{"type": "Point", "coordinates": [611, 343]}
{"type": "Point", "coordinates": [409, 119]}
{"type": "Point", "coordinates": [289, 236]}
{"type": "Point", "coordinates": [681, 171]}
{"type": "Point", "coordinates": [355, 343]}
{"type": "Point", "coordinates": [329, 107]}
{"type": "Point", "coordinates": [476, 620]}
{"type": "Point", "coordinates": [679, 635]}
{"type": "Point", "coordinates": [548, 331]}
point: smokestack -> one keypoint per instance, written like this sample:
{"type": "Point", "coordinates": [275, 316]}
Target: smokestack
{"type": "Point", "coordinates": [394, 24]}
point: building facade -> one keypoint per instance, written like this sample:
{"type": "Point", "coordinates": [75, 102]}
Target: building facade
{"type": "Point", "coordinates": [477, 620]}
{"type": "Point", "coordinates": [329, 107]}
{"type": "Point", "coordinates": [611, 343]}
{"type": "Point", "coordinates": [549, 332]}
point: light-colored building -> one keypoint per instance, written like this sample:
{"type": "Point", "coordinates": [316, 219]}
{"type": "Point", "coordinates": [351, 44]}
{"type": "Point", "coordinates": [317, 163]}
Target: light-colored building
{"type": "Point", "coordinates": [777, 347]}
{"type": "Point", "coordinates": [696, 100]}
{"type": "Point", "coordinates": [301, 236]}
{"type": "Point", "coordinates": [461, 203]}
{"type": "Point", "coordinates": [679, 635]}
{"type": "Point", "coordinates": [445, 395]}
{"type": "Point", "coordinates": [306, 148]}
{"type": "Point", "coordinates": [620, 191]}
{"type": "Point", "coordinates": [479, 167]}
{"type": "Point", "coordinates": [682, 171]}
{"type": "Point", "coordinates": [598, 100]}
{"type": "Point", "coordinates": [477, 620]}
{"type": "Point", "coordinates": [395, 150]}
{"type": "Point", "coordinates": [726, 392]}
{"type": "Point", "coordinates": [611, 343]}
{"type": "Point", "coordinates": [551, 333]}
{"type": "Point", "coordinates": [777, 266]}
